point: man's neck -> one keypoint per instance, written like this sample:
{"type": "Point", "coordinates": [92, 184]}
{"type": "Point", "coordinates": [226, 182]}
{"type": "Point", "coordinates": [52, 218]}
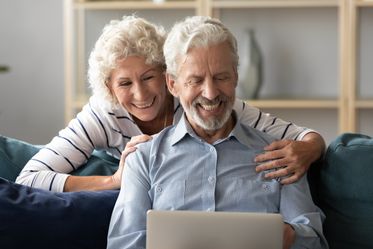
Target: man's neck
{"type": "Point", "coordinates": [211, 136]}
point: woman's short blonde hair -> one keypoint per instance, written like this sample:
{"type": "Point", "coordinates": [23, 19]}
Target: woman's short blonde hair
{"type": "Point", "coordinates": [119, 39]}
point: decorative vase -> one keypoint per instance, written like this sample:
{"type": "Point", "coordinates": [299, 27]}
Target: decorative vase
{"type": "Point", "coordinates": [250, 69]}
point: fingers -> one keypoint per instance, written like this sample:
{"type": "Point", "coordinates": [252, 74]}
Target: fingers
{"type": "Point", "coordinates": [131, 146]}
{"type": "Point", "coordinates": [269, 155]}
{"type": "Point", "coordinates": [276, 145]}
{"type": "Point", "coordinates": [283, 160]}
{"type": "Point", "coordinates": [124, 155]}
{"type": "Point", "coordinates": [138, 139]}
{"type": "Point", "coordinates": [273, 164]}
{"type": "Point", "coordinates": [276, 150]}
{"type": "Point", "coordinates": [284, 175]}
{"type": "Point", "coordinates": [281, 170]}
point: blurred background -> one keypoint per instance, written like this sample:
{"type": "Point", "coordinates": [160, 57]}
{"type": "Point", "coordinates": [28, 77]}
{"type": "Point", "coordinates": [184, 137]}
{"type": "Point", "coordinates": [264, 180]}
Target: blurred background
{"type": "Point", "coordinates": [32, 90]}
{"type": "Point", "coordinates": [311, 76]}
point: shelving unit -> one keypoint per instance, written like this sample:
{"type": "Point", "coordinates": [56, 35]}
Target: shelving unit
{"type": "Point", "coordinates": [314, 53]}
{"type": "Point", "coordinates": [361, 87]}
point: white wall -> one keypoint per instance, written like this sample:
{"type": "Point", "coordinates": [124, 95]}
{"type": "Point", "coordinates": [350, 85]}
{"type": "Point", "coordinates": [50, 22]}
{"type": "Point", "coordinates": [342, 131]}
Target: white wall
{"type": "Point", "coordinates": [32, 93]}
{"type": "Point", "coordinates": [31, 43]}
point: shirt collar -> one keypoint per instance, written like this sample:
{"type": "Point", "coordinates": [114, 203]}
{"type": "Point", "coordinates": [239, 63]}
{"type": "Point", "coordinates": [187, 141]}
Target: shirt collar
{"type": "Point", "coordinates": [182, 128]}
{"type": "Point", "coordinates": [241, 136]}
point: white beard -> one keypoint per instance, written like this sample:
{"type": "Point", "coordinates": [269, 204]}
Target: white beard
{"type": "Point", "coordinates": [213, 123]}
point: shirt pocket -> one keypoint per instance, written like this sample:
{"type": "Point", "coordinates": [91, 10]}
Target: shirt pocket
{"type": "Point", "coordinates": [253, 195]}
{"type": "Point", "coordinates": [168, 196]}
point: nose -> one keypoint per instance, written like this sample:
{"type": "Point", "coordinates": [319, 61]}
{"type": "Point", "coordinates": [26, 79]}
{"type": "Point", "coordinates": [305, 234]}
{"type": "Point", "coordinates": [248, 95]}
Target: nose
{"type": "Point", "coordinates": [139, 91]}
{"type": "Point", "coordinates": [210, 90]}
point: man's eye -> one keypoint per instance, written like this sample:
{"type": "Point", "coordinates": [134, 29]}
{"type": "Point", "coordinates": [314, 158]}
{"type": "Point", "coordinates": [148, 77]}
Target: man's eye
{"type": "Point", "coordinates": [195, 81]}
{"type": "Point", "coordinates": [222, 78]}
{"type": "Point", "coordinates": [148, 78]}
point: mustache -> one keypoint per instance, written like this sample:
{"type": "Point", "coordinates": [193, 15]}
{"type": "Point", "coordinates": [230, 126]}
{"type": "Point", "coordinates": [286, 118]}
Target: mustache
{"type": "Point", "coordinates": [204, 101]}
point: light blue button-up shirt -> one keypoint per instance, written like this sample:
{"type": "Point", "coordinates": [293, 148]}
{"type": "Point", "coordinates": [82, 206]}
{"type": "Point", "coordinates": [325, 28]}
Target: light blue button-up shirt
{"type": "Point", "coordinates": [177, 170]}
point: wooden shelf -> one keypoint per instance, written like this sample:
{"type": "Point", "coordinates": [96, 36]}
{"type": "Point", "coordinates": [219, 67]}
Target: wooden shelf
{"type": "Point", "coordinates": [295, 104]}
{"type": "Point", "coordinates": [364, 104]}
{"type": "Point", "coordinates": [363, 3]}
{"type": "Point", "coordinates": [273, 3]}
{"type": "Point", "coordinates": [108, 5]}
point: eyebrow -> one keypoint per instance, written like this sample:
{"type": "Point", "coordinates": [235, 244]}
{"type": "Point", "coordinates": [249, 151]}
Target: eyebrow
{"type": "Point", "coordinates": [222, 74]}
{"type": "Point", "coordinates": [149, 70]}
{"type": "Point", "coordinates": [122, 78]}
{"type": "Point", "coordinates": [194, 75]}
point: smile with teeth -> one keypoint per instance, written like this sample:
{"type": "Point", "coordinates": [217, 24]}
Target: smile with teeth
{"type": "Point", "coordinates": [144, 105]}
{"type": "Point", "coordinates": [210, 107]}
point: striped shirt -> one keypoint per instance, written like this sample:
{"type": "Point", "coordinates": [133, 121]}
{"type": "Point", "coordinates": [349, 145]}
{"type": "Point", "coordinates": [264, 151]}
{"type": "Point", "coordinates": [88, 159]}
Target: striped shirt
{"type": "Point", "coordinates": [98, 127]}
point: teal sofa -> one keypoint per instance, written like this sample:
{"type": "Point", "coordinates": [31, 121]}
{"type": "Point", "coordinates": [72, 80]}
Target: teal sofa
{"type": "Point", "coordinates": [341, 185]}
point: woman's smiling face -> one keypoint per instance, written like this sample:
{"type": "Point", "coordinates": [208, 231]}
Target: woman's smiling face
{"type": "Point", "coordinates": [140, 88]}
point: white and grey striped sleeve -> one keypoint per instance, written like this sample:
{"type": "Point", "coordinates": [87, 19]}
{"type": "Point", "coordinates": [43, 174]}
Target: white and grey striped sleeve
{"type": "Point", "coordinates": [268, 123]}
{"type": "Point", "coordinates": [67, 151]}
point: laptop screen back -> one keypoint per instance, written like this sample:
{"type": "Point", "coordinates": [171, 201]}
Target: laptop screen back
{"type": "Point", "coordinates": [213, 230]}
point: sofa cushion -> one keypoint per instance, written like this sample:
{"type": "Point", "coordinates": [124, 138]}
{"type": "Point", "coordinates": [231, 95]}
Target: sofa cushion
{"type": "Point", "coordinates": [345, 192]}
{"type": "Point", "coordinates": [15, 153]}
{"type": "Point", "coordinates": [34, 218]}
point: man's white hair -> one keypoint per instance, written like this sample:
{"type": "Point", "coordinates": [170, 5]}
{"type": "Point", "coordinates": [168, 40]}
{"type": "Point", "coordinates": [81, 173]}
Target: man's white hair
{"type": "Point", "coordinates": [196, 31]}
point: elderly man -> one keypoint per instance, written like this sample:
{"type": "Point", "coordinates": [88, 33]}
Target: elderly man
{"type": "Point", "coordinates": [206, 161]}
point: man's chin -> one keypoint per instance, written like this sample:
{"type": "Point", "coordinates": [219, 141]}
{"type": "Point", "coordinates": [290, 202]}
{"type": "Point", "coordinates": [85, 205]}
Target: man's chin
{"type": "Point", "coordinates": [211, 124]}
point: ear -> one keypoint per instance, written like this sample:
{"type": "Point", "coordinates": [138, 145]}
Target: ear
{"type": "Point", "coordinates": [109, 84]}
{"type": "Point", "coordinates": [171, 85]}
{"type": "Point", "coordinates": [236, 76]}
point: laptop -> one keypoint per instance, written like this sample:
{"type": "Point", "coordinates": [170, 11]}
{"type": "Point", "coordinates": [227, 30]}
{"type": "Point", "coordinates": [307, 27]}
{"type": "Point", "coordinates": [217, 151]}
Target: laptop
{"type": "Point", "coordinates": [213, 230]}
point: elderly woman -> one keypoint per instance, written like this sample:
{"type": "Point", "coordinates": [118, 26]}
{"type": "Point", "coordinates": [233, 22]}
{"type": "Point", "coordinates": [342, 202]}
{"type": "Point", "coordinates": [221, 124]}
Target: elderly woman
{"type": "Point", "coordinates": [130, 102]}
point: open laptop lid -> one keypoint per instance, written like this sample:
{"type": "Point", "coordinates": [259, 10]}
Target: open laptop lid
{"type": "Point", "coordinates": [213, 230]}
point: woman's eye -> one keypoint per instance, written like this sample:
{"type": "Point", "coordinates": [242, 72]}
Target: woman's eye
{"type": "Point", "coordinates": [125, 83]}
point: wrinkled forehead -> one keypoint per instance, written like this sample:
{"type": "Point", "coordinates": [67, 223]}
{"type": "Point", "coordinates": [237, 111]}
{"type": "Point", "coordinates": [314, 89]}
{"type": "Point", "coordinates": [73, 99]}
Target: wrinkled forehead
{"type": "Point", "coordinates": [214, 58]}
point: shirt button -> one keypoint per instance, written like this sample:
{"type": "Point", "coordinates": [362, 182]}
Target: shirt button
{"type": "Point", "coordinates": [265, 187]}
{"type": "Point", "coordinates": [211, 179]}
{"type": "Point", "coordinates": [212, 149]}
{"type": "Point", "coordinates": [158, 189]}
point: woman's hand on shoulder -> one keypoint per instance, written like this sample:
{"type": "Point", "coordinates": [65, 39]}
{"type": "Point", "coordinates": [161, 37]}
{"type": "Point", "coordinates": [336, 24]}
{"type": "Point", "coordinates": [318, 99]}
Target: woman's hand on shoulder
{"type": "Point", "coordinates": [130, 147]}
{"type": "Point", "coordinates": [290, 159]}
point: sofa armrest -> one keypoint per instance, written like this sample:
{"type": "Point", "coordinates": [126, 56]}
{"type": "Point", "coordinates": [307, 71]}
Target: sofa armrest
{"type": "Point", "coordinates": [344, 191]}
